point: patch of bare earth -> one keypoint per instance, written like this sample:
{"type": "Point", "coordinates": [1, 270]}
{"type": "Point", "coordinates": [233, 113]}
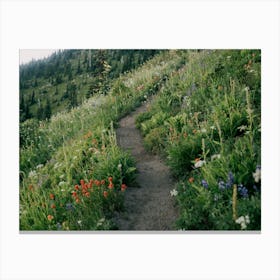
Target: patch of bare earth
{"type": "Point", "coordinates": [149, 206]}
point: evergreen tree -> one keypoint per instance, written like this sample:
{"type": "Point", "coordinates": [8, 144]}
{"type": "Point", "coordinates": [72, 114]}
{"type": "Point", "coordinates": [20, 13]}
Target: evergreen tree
{"type": "Point", "coordinates": [47, 110]}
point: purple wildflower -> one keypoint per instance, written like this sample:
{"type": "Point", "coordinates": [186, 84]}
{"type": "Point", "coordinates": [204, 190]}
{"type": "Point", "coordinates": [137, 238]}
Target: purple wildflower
{"type": "Point", "coordinates": [204, 184]}
{"type": "Point", "coordinates": [243, 191]}
{"type": "Point", "coordinates": [222, 185]}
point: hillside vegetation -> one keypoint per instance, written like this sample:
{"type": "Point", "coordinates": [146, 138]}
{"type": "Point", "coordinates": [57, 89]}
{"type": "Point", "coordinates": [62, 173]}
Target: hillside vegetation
{"type": "Point", "coordinates": [204, 120]}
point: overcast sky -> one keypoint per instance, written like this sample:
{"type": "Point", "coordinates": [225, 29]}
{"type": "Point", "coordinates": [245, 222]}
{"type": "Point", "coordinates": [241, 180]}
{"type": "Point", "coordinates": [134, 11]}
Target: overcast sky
{"type": "Point", "coordinates": [26, 55]}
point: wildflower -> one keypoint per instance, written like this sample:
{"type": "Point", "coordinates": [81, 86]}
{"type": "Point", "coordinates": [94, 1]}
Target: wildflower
{"type": "Point", "coordinates": [199, 163]}
{"type": "Point", "coordinates": [50, 217]}
{"type": "Point", "coordinates": [111, 185]}
{"type": "Point", "coordinates": [243, 191]}
{"type": "Point", "coordinates": [173, 192]}
{"type": "Point", "coordinates": [243, 221]}
{"type": "Point", "coordinates": [203, 130]}
{"type": "Point", "coordinates": [79, 222]}
{"type": "Point", "coordinates": [204, 184]}
{"type": "Point", "coordinates": [257, 174]}
{"type": "Point", "coordinates": [77, 200]}
{"type": "Point", "coordinates": [76, 187]}
{"type": "Point", "coordinates": [215, 156]}
{"type": "Point", "coordinates": [191, 180]}
{"type": "Point", "coordinates": [74, 194]}
{"type": "Point", "coordinates": [102, 182]}
{"type": "Point", "coordinates": [230, 180]}
{"type": "Point", "coordinates": [53, 206]}
{"type": "Point", "coordinates": [87, 194]}
{"type": "Point", "coordinates": [221, 185]}
{"type": "Point", "coordinates": [97, 183]}
{"type": "Point", "coordinates": [69, 207]}
{"type": "Point", "coordinates": [105, 194]}
{"type": "Point", "coordinates": [212, 127]}
{"type": "Point", "coordinates": [32, 173]}
{"type": "Point", "coordinates": [82, 183]}
{"type": "Point", "coordinates": [61, 183]}
{"type": "Point", "coordinates": [123, 187]}
{"type": "Point", "coordinates": [110, 179]}
{"type": "Point", "coordinates": [242, 128]}
{"type": "Point", "coordinates": [51, 196]}
{"type": "Point", "coordinates": [119, 166]}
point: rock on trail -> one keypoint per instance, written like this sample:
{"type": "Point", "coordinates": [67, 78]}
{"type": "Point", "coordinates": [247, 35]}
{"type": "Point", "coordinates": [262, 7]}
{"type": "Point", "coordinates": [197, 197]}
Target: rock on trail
{"type": "Point", "coordinates": [149, 206]}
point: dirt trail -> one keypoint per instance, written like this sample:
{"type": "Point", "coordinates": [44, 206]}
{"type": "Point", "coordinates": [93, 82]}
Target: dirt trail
{"type": "Point", "coordinates": [149, 206]}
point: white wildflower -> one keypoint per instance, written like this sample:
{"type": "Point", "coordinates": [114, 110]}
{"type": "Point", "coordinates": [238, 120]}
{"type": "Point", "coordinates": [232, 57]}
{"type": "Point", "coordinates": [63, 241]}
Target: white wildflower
{"type": "Point", "coordinates": [39, 166]}
{"type": "Point", "coordinates": [199, 163]}
{"type": "Point", "coordinates": [61, 183]}
{"type": "Point", "coordinates": [242, 128]}
{"type": "Point", "coordinates": [212, 127]}
{"type": "Point", "coordinates": [173, 192]}
{"type": "Point", "coordinates": [32, 173]}
{"type": "Point", "coordinates": [61, 176]}
{"type": "Point", "coordinates": [215, 156]}
{"type": "Point", "coordinates": [243, 221]}
{"type": "Point", "coordinates": [243, 225]}
{"type": "Point", "coordinates": [79, 222]}
{"type": "Point", "coordinates": [257, 175]}
{"type": "Point", "coordinates": [119, 166]}
{"type": "Point", "coordinates": [203, 130]}
{"type": "Point", "coordinates": [240, 220]}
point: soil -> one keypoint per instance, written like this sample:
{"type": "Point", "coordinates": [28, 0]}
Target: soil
{"type": "Point", "coordinates": [148, 205]}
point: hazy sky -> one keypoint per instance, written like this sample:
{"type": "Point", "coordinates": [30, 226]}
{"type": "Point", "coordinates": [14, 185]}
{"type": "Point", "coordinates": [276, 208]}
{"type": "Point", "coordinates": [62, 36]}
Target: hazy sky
{"type": "Point", "coordinates": [26, 55]}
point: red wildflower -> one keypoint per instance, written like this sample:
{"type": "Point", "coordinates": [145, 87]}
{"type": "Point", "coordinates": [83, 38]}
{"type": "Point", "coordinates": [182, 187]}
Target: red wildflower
{"type": "Point", "coordinates": [51, 196]}
{"type": "Point", "coordinates": [90, 184]}
{"type": "Point", "coordinates": [97, 183]}
{"type": "Point", "coordinates": [110, 179]}
{"type": "Point", "coordinates": [53, 206]}
{"type": "Point", "coordinates": [111, 185]}
{"type": "Point", "coordinates": [77, 187]}
{"type": "Point", "coordinates": [74, 194]}
{"type": "Point", "coordinates": [123, 187]}
{"type": "Point", "coordinates": [50, 217]}
{"type": "Point", "coordinates": [77, 200]}
{"type": "Point", "coordinates": [191, 179]}
{"type": "Point", "coordinates": [82, 183]}
{"type": "Point", "coordinates": [102, 182]}
{"type": "Point", "coordinates": [105, 194]}
{"type": "Point", "coordinates": [197, 159]}
{"type": "Point", "coordinates": [87, 194]}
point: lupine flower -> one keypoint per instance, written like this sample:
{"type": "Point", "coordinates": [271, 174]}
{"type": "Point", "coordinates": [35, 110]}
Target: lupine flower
{"type": "Point", "coordinates": [69, 207]}
{"type": "Point", "coordinates": [243, 191]}
{"type": "Point", "coordinates": [204, 184]}
{"type": "Point", "coordinates": [222, 185]}
{"type": "Point", "coordinates": [257, 174]}
{"type": "Point", "coordinates": [173, 192]}
{"type": "Point", "coordinates": [230, 178]}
